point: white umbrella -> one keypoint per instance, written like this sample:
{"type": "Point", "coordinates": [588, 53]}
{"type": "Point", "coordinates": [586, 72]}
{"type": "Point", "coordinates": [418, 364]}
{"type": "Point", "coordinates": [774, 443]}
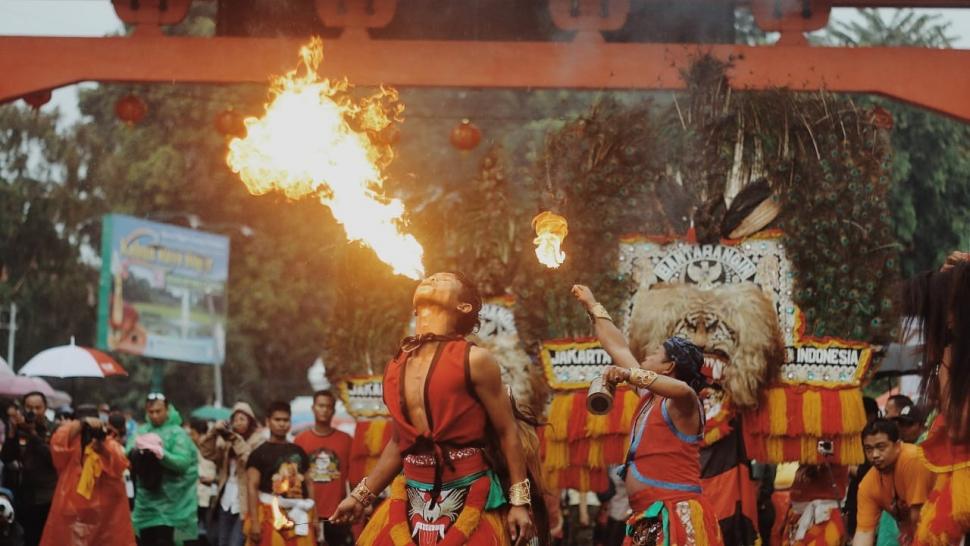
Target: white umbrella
{"type": "Point", "coordinates": [72, 361]}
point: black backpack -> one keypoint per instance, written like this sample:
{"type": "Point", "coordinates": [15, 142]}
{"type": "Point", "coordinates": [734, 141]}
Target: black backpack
{"type": "Point", "coordinates": [146, 468]}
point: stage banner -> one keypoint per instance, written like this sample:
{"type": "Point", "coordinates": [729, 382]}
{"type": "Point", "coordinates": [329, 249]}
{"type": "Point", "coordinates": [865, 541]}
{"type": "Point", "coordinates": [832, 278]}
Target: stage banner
{"type": "Point", "coordinates": [363, 396]}
{"type": "Point", "coordinates": [162, 291]}
{"type": "Point", "coordinates": [572, 363]}
{"type": "Point", "coordinates": [761, 259]}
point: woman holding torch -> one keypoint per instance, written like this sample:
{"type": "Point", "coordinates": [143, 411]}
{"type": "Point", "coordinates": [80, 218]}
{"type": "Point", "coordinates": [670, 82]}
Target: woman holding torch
{"type": "Point", "coordinates": [662, 469]}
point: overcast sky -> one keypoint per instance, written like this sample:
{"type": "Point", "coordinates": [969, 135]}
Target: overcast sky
{"type": "Point", "coordinates": [97, 18]}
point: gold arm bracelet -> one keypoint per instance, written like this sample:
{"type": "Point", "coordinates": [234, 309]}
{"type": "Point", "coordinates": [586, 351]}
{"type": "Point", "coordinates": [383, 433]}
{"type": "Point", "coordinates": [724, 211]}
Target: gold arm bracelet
{"type": "Point", "coordinates": [642, 378]}
{"type": "Point", "coordinates": [598, 311]}
{"type": "Point", "coordinates": [520, 494]}
{"type": "Point", "coordinates": [363, 494]}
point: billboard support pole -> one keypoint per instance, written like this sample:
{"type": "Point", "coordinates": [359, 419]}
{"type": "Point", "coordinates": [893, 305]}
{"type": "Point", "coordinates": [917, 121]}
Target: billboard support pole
{"type": "Point", "coordinates": [217, 383]}
{"type": "Point", "coordinates": [157, 382]}
{"type": "Point", "coordinates": [11, 333]}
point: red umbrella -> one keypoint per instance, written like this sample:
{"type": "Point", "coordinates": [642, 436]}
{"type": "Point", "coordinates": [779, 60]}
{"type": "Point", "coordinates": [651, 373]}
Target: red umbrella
{"type": "Point", "coordinates": [72, 361]}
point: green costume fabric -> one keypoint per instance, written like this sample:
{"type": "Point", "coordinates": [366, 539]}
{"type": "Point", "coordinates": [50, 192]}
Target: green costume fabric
{"type": "Point", "coordinates": [496, 497]}
{"type": "Point", "coordinates": [175, 503]}
{"type": "Point", "coordinates": [887, 534]}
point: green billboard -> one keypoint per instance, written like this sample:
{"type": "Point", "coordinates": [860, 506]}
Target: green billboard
{"type": "Point", "coordinates": [162, 291]}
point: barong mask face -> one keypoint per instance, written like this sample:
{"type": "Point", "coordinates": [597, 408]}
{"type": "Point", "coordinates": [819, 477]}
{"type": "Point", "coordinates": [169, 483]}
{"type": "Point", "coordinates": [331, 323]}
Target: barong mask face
{"type": "Point", "coordinates": [734, 325]}
{"type": "Point", "coordinates": [430, 521]}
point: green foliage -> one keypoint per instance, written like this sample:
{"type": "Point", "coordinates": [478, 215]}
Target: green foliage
{"type": "Point", "coordinates": [599, 172]}
{"type": "Point", "coordinates": [657, 171]}
{"type": "Point", "coordinates": [43, 201]}
{"type": "Point", "coordinates": [611, 164]}
{"type": "Point", "coordinates": [930, 192]}
{"type": "Point", "coordinates": [903, 28]}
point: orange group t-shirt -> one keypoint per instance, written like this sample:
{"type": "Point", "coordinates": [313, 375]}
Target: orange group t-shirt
{"type": "Point", "coordinates": [329, 462]}
{"type": "Point", "coordinates": [907, 486]}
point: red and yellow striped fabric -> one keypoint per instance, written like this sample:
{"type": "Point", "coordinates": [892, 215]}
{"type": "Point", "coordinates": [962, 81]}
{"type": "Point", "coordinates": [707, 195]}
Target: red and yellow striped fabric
{"type": "Point", "coordinates": [791, 420]}
{"type": "Point", "coordinates": [577, 455]}
{"type": "Point", "coordinates": [370, 437]}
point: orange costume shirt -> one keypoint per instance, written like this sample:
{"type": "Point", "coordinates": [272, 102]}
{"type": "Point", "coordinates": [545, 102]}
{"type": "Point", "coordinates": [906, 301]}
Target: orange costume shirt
{"type": "Point", "coordinates": [909, 485]}
{"type": "Point", "coordinates": [101, 520]}
{"type": "Point", "coordinates": [329, 462]}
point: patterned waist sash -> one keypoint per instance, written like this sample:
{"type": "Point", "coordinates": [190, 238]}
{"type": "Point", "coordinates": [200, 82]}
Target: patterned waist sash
{"type": "Point", "coordinates": [449, 516]}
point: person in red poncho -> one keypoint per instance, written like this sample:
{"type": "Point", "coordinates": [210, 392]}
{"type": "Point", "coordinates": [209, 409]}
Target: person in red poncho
{"type": "Point", "coordinates": [90, 506]}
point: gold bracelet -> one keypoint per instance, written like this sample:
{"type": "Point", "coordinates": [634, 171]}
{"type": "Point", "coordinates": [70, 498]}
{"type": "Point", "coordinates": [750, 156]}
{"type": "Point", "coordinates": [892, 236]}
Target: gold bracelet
{"type": "Point", "coordinates": [642, 378]}
{"type": "Point", "coordinates": [363, 494]}
{"type": "Point", "coordinates": [520, 494]}
{"type": "Point", "coordinates": [598, 311]}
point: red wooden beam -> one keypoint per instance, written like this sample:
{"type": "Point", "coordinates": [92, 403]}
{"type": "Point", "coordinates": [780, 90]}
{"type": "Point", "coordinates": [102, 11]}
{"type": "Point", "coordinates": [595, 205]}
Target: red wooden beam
{"type": "Point", "coordinates": [931, 78]}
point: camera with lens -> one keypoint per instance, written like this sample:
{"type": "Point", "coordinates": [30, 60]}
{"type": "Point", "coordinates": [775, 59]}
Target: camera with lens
{"type": "Point", "coordinates": [92, 432]}
{"type": "Point", "coordinates": [225, 430]}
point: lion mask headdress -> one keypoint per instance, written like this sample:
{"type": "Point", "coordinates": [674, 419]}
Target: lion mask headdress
{"type": "Point", "coordinates": [734, 324]}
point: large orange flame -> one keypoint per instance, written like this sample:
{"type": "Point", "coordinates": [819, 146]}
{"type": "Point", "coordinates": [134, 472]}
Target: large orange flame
{"type": "Point", "coordinates": [313, 139]}
{"type": "Point", "coordinates": [551, 229]}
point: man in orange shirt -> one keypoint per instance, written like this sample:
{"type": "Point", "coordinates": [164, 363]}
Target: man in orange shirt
{"type": "Point", "coordinates": [329, 452]}
{"type": "Point", "coordinates": [897, 483]}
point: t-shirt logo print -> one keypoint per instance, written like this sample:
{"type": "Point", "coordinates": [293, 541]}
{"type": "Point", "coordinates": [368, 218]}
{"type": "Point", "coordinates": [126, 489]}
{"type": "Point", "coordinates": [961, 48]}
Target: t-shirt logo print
{"type": "Point", "coordinates": [325, 467]}
{"type": "Point", "coordinates": [287, 480]}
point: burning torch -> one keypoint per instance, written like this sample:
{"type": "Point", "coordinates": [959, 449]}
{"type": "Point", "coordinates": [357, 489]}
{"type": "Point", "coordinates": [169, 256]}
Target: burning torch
{"type": "Point", "coordinates": [551, 229]}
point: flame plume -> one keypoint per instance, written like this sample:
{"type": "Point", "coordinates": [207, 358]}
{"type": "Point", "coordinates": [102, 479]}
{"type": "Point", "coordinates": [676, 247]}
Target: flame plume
{"type": "Point", "coordinates": [313, 139]}
{"type": "Point", "coordinates": [551, 229]}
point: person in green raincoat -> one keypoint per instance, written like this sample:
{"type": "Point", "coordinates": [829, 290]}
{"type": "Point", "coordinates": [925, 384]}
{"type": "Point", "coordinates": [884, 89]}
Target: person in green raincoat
{"type": "Point", "coordinates": [165, 466]}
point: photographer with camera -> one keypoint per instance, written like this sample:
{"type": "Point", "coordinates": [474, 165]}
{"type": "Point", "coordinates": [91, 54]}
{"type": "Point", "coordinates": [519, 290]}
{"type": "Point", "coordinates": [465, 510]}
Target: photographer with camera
{"type": "Point", "coordinates": [90, 506]}
{"type": "Point", "coordinates": [27, 455]}
{"type": "Point", "coordinates": [229, 444]}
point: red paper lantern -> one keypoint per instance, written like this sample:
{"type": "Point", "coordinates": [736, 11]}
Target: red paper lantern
{"type": "Point", "coordinates": [230, 123]}
{"type": "Point", "coordinates": [38, 99]}
{"type": "Point", "coordinates": [465, 136]}
{"type": "Point", "coordinates": [130, 109]}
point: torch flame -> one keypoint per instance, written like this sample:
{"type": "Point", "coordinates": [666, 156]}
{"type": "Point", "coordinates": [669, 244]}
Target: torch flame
{"type": "Point", "coordinates": [280, 521]}
{"type": "Point", "coordinates": [305, 144]}
{"type": "Point", "coordinates": [551, 229]}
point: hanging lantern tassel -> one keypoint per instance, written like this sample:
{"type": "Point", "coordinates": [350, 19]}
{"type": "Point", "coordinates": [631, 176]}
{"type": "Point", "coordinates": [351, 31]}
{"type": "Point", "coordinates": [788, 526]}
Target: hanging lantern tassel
{"type": "Point", "coordinates": [551, 229]}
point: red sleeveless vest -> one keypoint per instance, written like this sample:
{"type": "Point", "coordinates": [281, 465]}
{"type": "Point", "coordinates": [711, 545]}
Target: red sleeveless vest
{"type": "Point", "coordinates": [662, 458]}
{"type": "Point", "coordinates": [456, 418]}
